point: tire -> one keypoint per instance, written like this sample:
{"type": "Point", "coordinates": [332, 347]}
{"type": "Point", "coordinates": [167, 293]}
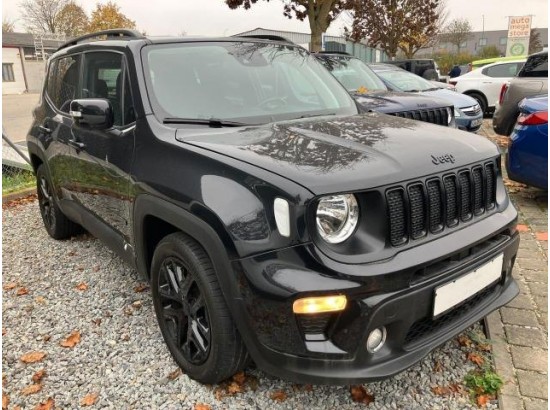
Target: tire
{"type": "Point", "coordinates": [56, 223]}
{"type": "Point", "coordinates": [480, 100]}
{"type": "Point", "coordinates": [192, 314]}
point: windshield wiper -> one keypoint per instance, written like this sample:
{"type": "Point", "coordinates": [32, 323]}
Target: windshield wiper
{"type": "Point", "coordinates": [316, 115]}
{"type": "Point", "coordinates": [211, 122]}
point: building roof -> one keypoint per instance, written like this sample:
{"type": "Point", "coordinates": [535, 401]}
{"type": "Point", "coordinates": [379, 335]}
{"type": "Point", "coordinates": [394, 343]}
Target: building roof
{"type": "Point", "coordinates": [26, 40]}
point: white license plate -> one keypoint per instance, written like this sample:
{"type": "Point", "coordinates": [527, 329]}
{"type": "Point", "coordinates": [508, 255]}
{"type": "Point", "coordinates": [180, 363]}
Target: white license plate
{"type": "Point", "coordinates": [452, 293]}
{"type": "Point", "coordinates": [477, 122]}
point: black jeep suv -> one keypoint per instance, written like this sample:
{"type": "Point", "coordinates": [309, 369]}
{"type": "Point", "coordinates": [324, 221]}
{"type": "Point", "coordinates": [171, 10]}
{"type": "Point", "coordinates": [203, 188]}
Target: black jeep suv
{"type": "Point", "coordinates": [273, 220]}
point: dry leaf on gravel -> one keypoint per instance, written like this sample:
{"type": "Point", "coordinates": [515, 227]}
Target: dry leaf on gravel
{"type": "Point", "coordinates": [33, 357]}
{"type": "Point", "coordinates": [32, 389]}
{"type": "Point", "coordinates": [72, 340]}
{"type": "Point", "coordinates": [440, 390]}
{"type": "Point", "coordinates": [278, 396]}
{"type": "Point", "coordinates": [234, 388]}
{"type": "Point", "coordinates": [4, 331]}
{"type": "Point", "coordinates": [5, 401]}
{"type": "Point", "coordinates": [39, 375]}
{"type": "Point", "coordinates": [437, 366]}
{"type": "Point", "coordinates": [360, 395]}
{"type": "Point", "coordinates": [239, 378]}
{"type": "Point", "coordinates": [465, 341]}
{"type": "Point", "coordinates": [10, 286]}
{"type": "Point", "coordinates": [202, 406]}
{"type": "Point", "coordinates": [40, 299]}
{"type": "Point", "coordinates": [46, 338]}
{"type": "Point", "coordinates": [82, 286]}
{"type": "Point", "coordinates": [22, 291]}
{"type": "Point", "coordinates": [483, 400]}
{"type": "Point", "coordinates": [175, 374]}
{"type": "Point", "coordinates": [142, 287]}
{"type": "Point", "coordinates": [475, 358]}
{"type": "Point", "coordinates": [46, 405]}
{"type": "Point", "coordinates": [89, 399]}
{"type": "Point", "coordinates": [486, 347]}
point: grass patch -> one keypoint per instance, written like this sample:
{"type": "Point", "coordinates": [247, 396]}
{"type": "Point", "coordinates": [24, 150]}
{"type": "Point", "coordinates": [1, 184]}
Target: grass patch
{"type": "Point", "coordinates": [484, 382]}
{"type": "Point", "coordinates": [16, 180]}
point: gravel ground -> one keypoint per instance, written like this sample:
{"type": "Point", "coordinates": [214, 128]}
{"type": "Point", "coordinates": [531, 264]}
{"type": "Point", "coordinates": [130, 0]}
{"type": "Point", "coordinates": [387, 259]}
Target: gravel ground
{"type": "Point", "coordinates": [121, 356]}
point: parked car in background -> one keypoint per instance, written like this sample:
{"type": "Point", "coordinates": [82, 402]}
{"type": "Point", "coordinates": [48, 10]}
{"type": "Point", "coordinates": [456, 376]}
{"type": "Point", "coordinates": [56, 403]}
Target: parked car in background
{"type": "Point", "coordinates": [527, 157]}
{"type": "Point", "coordinates": [481, 63]}
{"type": "Point", "coordinates": [372, 94]}
{"type": "Point", "coordinates": [532, 79]}
{"type": "Point", "coordinates": [484, 83]}
{"type": "Point", "coordinates": [424, 67]}
{"type": "Point", "coordinates": [467, 112]}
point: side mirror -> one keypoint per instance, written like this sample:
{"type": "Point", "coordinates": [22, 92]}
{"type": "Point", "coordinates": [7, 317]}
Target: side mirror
{"type": "Point", "coordinates": [96, 113]}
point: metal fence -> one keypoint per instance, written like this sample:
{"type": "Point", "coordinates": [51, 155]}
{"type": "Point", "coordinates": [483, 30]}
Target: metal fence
{"type": "Point", "coordinates": [17, 172]}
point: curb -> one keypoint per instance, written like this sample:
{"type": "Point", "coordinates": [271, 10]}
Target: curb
{"type": "Point", "coordinates": [18, 195]}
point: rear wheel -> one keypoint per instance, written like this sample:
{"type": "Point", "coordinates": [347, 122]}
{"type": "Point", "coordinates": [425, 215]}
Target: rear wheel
{"type": "Point", "coordinates": [56, 223]}
{"type": "Point", "coordinates": [191, 311]}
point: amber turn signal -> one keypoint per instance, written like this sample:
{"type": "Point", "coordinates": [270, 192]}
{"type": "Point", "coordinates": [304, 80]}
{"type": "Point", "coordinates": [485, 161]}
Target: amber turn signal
{"type": "Point", "coordinates": [319, 304]}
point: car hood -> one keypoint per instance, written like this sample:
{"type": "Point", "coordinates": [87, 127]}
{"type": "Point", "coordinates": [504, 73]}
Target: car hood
{"type": "Point", "coordinates": [341, 154]}
{"type": "Point", "coordinates": [455, 98]}
{"type": "Point", "coordinates": [393, 101]}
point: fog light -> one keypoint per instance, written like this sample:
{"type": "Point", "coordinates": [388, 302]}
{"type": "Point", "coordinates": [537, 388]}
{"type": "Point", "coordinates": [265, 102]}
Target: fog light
{"type": "Point", "coordinates": [319, 304]}
{"type": "Point", "coordinates": [376, 339]}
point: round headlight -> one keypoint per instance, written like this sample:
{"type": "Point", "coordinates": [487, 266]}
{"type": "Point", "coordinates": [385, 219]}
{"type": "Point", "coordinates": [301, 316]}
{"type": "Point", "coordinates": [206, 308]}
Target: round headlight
{"type": "Point", "coordinates": [337, 217]}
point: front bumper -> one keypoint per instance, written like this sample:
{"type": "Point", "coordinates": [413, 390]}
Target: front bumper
{"type": "Point", "coordinates": [331, 349]}
{"type": "Point", "coordinates": [470, 124]}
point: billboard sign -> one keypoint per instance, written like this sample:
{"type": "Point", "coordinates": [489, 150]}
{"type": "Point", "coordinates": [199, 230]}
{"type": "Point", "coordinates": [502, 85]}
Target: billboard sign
{"type": "Point", "coordinates": [519, 31]}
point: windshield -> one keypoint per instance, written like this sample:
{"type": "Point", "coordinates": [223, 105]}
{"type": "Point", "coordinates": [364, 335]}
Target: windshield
{"type": "Point", "coordinates": [353, 74]}
{"type": "Point", "coordinates": [252, 83]}
{"type": "Point", "coordinates": [404, 81]}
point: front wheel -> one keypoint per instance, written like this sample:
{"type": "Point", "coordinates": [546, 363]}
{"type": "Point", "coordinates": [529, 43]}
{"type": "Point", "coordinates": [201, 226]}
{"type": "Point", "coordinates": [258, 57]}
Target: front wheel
{"type": "Point", "coordinates": [191, 311]}
{"type": "Point", "coordinates": [481, 101]}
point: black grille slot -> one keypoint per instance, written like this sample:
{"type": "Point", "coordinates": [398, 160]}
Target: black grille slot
{"type": "Point", "coordinates": [434, 203]}
{"type": "Point", "coordinates": [451, 196]}
{"type": "Point", "coordinates": [418, 211]}
{"type": "Point", "coordinates": [490, 186]}
{"type": "Point", "coordinates": [397, 217]}
{"type": "Point", "coordinates": [314, 324]}
{"type": "Point", "coordinates": [436, 116]}
{"type": "Point", "coordinates": [465, 195]}
{"type": "Point", "coordinates": [477, 176]}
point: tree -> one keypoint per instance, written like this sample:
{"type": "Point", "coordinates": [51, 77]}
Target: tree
{"type": "Point", "coordinates": [108, 16]}
{"type": "Point", "coordinates": [535, 43]}
{"type": "Point", "coordinates": [8, 26]}
{"type": "Point", "coordinates": [320, 13]}
{"type": "Point", "coordinates": [457, 32]}
{"type": "Point", "coordinates": [408, 25]}
{"type": "Point", "coordinates": [40, 16]}
{"type": "Point", "coordinates": [488, 52]}
{"type": "Point", "coordinates": [72, 20]}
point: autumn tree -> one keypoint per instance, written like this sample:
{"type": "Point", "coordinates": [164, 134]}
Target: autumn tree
{"type": "Point", "coordinates": [457, 32]}
{"type": "Point", "coordinates": [395, 24]}
{"type": "Point", "coordinates": [535, 43]}
{"type": "Point", "coordinates": [72, 20]}
{"type": "Point", "coordinates": [41, 16]}
{"type": "Point", "coordinates": [108, 16]}
{"type": "Point", "coordinates": [320, 13]}
{"type": "Point", "coordinates": [8, 26]}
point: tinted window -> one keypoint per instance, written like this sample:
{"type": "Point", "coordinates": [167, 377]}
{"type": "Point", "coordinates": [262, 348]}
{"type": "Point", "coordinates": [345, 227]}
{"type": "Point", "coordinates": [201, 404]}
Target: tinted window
{"type": "Point", "coordinates": [536, 66]}
{"type": "Point", "coordinates": [353, 74]}
{"type": "Point", "coordinates": [502, 70]}
{"type": "Point", "coordinates": [7, 72]}
{"type": "Point", "coordinates": [63, 82]}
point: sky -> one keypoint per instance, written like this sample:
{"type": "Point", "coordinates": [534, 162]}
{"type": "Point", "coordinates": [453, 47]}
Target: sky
{"type": "Point", "coordinates": [214, 18]}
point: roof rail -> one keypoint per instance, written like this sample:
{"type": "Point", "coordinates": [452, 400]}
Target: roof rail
{"type": "Point", "coordinates": [118, 33]}
{"type": "Point", "coordinates": [266, 37]}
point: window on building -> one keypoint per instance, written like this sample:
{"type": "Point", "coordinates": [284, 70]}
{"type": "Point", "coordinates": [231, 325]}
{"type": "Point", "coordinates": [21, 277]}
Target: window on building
{"type": "Point", "coordinates": [463, 44]}
{"type": "Point", "coordinates": [503, 41]}
{"type": "Point", "coordinates": [7, 72]}
{"type": "Point", "coordinates": [482, 42]}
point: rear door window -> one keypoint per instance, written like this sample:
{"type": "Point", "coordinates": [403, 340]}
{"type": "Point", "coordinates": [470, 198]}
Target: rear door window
{"type": "Point", "coordinates": [536, 66]}
{"type": "Point", "coordinates": [501, 70]}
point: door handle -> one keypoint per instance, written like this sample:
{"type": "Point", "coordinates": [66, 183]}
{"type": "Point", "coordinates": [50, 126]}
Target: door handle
{"type": "Point", "coordinates": [76, 144]}
{"type": "Point", "coordinates": [44, 129]}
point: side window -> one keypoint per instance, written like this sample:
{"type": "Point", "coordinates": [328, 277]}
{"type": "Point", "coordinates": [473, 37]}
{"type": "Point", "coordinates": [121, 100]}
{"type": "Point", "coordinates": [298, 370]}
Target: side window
{"type": "Point", "coordinates": [536, 66]}
{"type": "Point", "coordinates": [502, 70]}
{"type": "Point", "coordinates": [63, 82]}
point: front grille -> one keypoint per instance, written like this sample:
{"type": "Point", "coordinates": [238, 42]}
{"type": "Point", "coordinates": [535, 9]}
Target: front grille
{"type": "Point", "coordinates": [435, 116]}
{"type": "Point", "coordinates": [439, 202]}
{"type": "Point", "coordinates": [471, 111]}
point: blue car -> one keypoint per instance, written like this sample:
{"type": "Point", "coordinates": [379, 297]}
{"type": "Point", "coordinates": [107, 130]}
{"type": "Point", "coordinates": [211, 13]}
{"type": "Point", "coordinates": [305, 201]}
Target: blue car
{"type": "Point", "coordinates": [468, 114]}
{"type": "Point", "coordinates": [527, 158]}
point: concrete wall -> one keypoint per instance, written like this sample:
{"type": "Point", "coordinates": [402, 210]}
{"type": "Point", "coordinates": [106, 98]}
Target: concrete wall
{"type": "Point", "coordinates": [35, 71]}
{"type": "Point", "coordinates": [11, 55]}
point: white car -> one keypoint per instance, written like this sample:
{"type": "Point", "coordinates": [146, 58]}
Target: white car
{"type": "Point", "coordinates": [484, 83]}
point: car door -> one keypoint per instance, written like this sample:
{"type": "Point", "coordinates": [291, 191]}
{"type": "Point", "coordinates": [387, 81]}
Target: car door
{"type": "Point", "coordinates": [494, 76]}
{"type": "Point", "coordinates": [103, 157]}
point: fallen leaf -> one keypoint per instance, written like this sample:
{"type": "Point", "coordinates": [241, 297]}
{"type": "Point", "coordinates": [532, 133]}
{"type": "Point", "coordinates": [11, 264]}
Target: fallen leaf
{"type": "Point", "coordinates": [4, 331]}
{"type": "Point", "coordinates": [47, 338]}
{"type": "Point", "coordinates": [38, 375]}
{"type": "Point", "coordinates": [522, 228]}
{"type": "Point", "coordinates": [5, 401]}
{"type": "Point", "coordinates": [239, 378]}
{"type": "Point", "coordinates": [137, 304]}
{"type": "Point", "coordinates": [33, 388]}
{"type": "Point", "coordinates": [464, 341]}
{"type": "Point", "coordinates": [89, 399]}
{"type": "Point", "coordinates": [308, 387]}
{"type": "Point", "coordinates": [437, 366]}
{"type": "Point", "coordinates": [10, 286]}
{"type": "Point", "coordinates": [475, 358]}
{"type": "Point", "coordinates": [486, 347]}
{"type": "Point", "coordinates": [440, 390]}
{"type": "Point", "coordinates": [360, 395]}
{"type": "Point", "coordinates": [33, 357]}
{"type": "Point", "coordinates": [40, 299]}
{"type": "Point", "coordinates": [202, 406]}
{"type": "Point", "coordinates": [278, 395]}
{"type": "Point", "coordinates": [142, 287]}
{"type": "Point", "coordinates": [483, 400]}
{"type": "Point", "coordinates": [22, 291]}
{"type": "Point", "coordinates": [175, 374]}
{"type": "Point", "coordinates": [72, 340]}
{"type": "Point", "coordinates": [47, 405]}
{"type": "Point", "coordinates": [541, 236]}
{"type": "Point", "coordinates": [219, 393]}
{"type": "Point", "coordinates": [97, 321]}
{"type": "Point", "coordinates": [82, 286]}
{"type": "Point", "coordinates": [234, 388]}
